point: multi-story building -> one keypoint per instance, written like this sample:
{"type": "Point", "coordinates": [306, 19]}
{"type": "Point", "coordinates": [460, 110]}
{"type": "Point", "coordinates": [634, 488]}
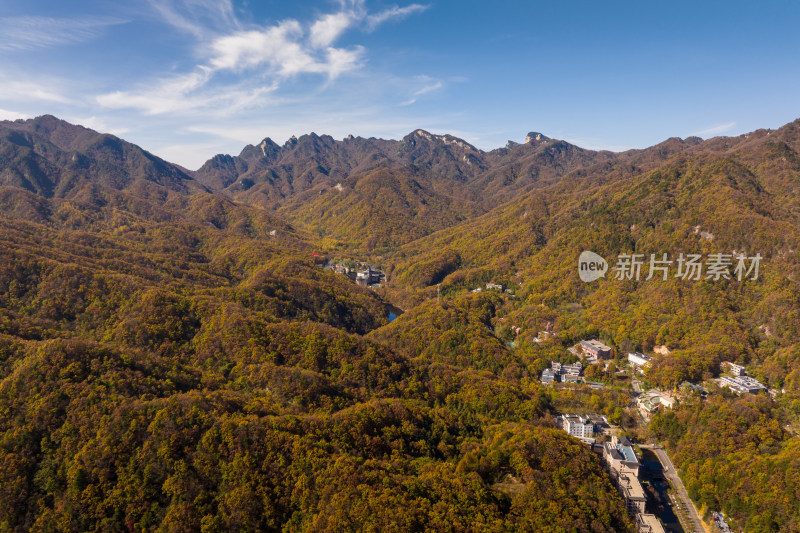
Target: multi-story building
{"type": "Point", "coordinates": [742, 384]}
{"type": "Point", "coordinates": [548, 376]}
{"type": "Point", "coordinates": [578, 426]}
{"type": "Point", "coordinates": [369, 276]}
{"type": "Point", "coordinates": [631, 490]}
{"type": "Point", "coordinates": [734, 369]}
{"type": "Point", "coordinates": [638, 359]}
{"type": "Point", "coordinates": [594, 350]}
{"type": "Point", "coordinates": [574, 369]}
{"type": "Point", "coordinates": [648, 523]}
{"type": "Point", "coordinates": [618, 455]}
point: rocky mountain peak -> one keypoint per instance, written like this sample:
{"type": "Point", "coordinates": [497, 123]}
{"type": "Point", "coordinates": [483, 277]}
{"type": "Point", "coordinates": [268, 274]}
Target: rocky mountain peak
{"type": "Point", "coordinates": [535, 136]}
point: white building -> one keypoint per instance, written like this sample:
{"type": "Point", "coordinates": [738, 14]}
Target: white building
{"type": "Point", "coordinates": [667, 401]}
{"type": "Point", "coordinates": [578, 426]}
{"type": "Point", "coordinates": [638, 359]}
{"type": "Point", "coordinates": [734, 369]}
{"type": "Point", "coordinates": [742, 384]}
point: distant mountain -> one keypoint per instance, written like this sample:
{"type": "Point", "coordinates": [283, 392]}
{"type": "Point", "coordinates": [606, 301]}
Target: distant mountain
{"type": "Point", "coordinates": [269, 175]}
{"type": "Point", "coordinates": [57, 173]}
{"type": "Point", "coordinates": [53, 158]}
{"type": "Point", "coordinates": [401, 190]}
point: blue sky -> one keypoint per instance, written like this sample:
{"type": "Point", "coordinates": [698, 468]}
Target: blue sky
{"type": "Point", "coordinates": [187, 79]}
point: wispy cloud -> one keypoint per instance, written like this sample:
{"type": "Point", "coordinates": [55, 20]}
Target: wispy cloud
{"type": "Point", "coordinates": [716, 130]}
{"type": "Point", "coordinates": [185, 93]}
{"type": "Point", "coordinates": [33, 91]}
{"type": "Point", "coordinates": [429, 87]}
{"type": "Point", "coordinates": [28, 33]}
{"type": "Point", "coordinates": [269, 55]}
{"type": "Point", "coordinates": [97, 124]}
{"type": "Point", "coordinates": [11, 115]}
{"type": "Point", "coordinates": [393, 13]}
{"type": "Point", "coordinates": [200, 18]}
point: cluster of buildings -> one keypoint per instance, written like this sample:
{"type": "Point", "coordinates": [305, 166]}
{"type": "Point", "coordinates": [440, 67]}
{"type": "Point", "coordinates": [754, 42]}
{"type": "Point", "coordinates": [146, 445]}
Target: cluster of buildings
{"type": "Point", "coordinates": [364, 275]}
{"type": "Point", "coordinates": [623, 465]}
{"type": "Point", "coordinates": [562, 373]}
{"type": "Point", "coordinates": [739, 381]}
{"type": "Point", "coordinates": [491, 286]}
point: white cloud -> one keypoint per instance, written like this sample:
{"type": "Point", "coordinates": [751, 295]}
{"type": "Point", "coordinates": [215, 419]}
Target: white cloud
{"type": "Point", "coordinates": [97, 124]}
{"type": "Point", "coordinates": [425, 89]}
{"type": "Point", "coordinates": [28, 33]}
{"type": "Point", "coordinates": [283, 51]}
{"type": "Point", "coordinates": [197, 17]}
{"type": "Point", "coordinates": [264, 58]}
{"type": "Point", "coordinates": [12, 115]}
{"type": "Point", "coordinates": [33, 91]}
{"type": "Point", "coordinates": [393, 13]}
{"type": "Point", "coordinates": [182, 94]}
{"type": "Point", "coordinates": [429, 88]}
{"type": "Point", "coordinates": [327, 29]}
{"type": "Point", "coordinates": [716, 130]}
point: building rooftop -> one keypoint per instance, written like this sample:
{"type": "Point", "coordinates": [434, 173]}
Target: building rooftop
{"type": "Point", "coordinates": [630, 485]}
{"type": "Point", "coordinates": [648, 523]}
{"type": "Point", "coordinates": [614, 453]}
{"type": "Point", "coordinates": [576, 419]}
{"type": "Point", "coordinates": [742, 382]}
{"type": "Point", "coordinates": [628, 453]}
{"type": "Point", "coordinates": [596, 344]}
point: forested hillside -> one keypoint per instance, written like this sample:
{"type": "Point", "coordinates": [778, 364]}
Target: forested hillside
{"type": "Point", "coordinates": [174, 355]}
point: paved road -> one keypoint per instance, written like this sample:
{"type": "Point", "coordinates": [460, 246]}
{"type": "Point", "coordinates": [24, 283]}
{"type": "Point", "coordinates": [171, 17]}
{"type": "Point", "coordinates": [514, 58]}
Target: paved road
{"type": "Point", "coordinates": [686, 502]}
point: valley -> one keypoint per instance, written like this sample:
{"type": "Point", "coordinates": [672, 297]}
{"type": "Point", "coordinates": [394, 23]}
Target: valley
{"type": "Point", "coordinates": [291, 339]}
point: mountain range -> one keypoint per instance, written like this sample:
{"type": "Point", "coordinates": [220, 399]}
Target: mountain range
{"type": "Point", "coordinates": [172, 349]}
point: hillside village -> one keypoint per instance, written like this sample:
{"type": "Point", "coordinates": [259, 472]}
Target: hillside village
{"type": "Point", "coordinates": [359, 272]}
{"type": "Point", "coordinates": [619, 456]}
